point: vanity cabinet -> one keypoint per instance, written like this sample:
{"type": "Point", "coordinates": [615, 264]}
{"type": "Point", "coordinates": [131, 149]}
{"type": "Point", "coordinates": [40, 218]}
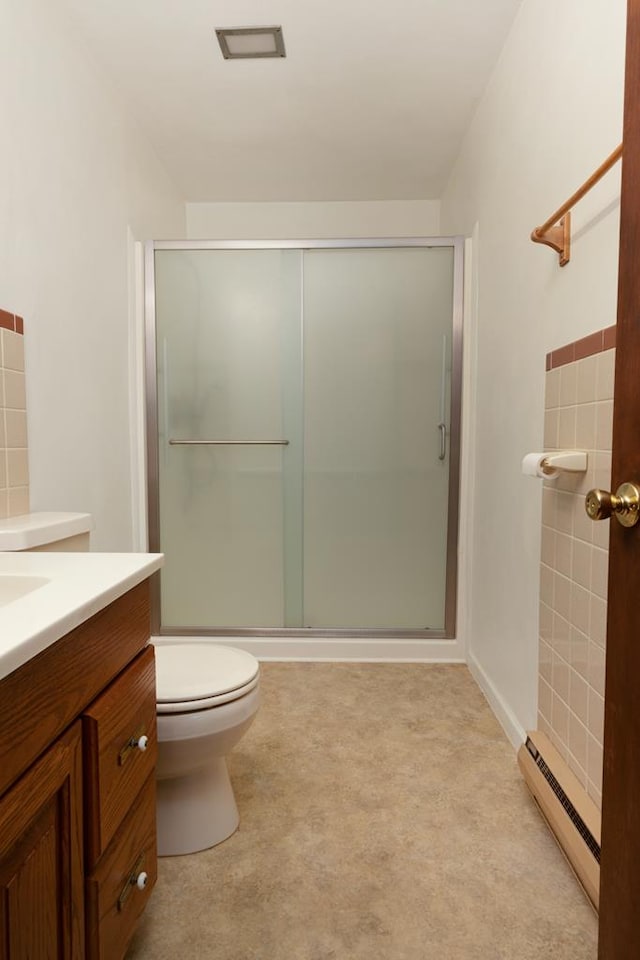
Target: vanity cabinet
{"type": "Point", "coordinates": [41, 877]}
{"type": "Point", "coordinates": [77, 790]}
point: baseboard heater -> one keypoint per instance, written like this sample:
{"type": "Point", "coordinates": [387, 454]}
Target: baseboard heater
{"type": "Point", "coordinates": [570, 813]}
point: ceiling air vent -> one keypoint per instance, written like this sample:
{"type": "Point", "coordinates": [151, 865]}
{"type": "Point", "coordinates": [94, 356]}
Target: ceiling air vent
{"type": "Point", "coordinates": [251, 43]}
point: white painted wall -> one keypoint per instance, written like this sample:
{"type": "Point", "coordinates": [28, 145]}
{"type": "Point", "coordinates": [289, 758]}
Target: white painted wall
{"type": "Point", "coordinates": [551, 114]}
{"type": "Point", "coordinates": [74, 176]}
{"type": "Point", "coordinates": [318, 221]}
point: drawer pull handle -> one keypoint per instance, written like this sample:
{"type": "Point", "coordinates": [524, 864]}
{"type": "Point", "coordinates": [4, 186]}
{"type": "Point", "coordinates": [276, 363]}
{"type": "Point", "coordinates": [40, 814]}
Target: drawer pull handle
{"type": "Point", "coordinates": [137, 878]}
{"type": "Point", "coordinates": [140, 741]}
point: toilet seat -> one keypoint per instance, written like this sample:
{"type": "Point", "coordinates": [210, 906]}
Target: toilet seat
{"type": "Point", "coordinates": [199, 676]}
{"type": "Point", "coordinates": [205, 703]}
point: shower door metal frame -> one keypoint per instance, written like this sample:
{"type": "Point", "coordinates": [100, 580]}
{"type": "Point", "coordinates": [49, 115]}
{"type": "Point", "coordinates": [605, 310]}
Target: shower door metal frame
{"type": "Point", "coordinates": [153, 487]}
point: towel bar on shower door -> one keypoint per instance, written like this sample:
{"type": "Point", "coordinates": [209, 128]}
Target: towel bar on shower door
{"type": "Point", "coordinates": [223, 443]}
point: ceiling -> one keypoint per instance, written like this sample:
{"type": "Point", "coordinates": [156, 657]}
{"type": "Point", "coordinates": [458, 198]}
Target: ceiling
{"type": "Point", "coordinates": [371, 102]}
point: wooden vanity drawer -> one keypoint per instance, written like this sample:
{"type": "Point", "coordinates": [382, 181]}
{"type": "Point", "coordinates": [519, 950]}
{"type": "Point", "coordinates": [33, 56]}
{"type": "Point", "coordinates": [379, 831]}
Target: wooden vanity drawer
{"type": "Point", "coordinates": [114, 899]}
{"type": "Point", "coordinates": [115, 769]}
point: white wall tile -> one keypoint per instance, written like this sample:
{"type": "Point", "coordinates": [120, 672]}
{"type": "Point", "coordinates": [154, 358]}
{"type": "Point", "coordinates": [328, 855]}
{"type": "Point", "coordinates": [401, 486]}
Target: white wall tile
{"type": "Point", "coordinates": [594, 762]}
{"type": "Point", "coordinates": [600, 572]}
{"type": "Point", "coordinates": [579, 655]}
{"type": "Point", "coordinates": [551, 421]}
{"type": "Point", "coordinates": [596, 668]}
{"type": "Point", "coordinates": [605, 376]}
{"type": "Point", "coordinates": [17, 468]}
{"type": "Point", "coordinates": [572, 662]}
{"type": "Point", "coordinates": [546, 585]}
{"type": "Point", "coordinates": [560, 671]}
{"type": "Point", "coordinates": [598, 620]}
{"type": "Point", "coordinates": [568, 385]}
{"type": "Point", "coordinates": [15, 397]}
{"type": "Point", "coordinates": [12, 350]}
{"type": "Point", "coordinates": [18, 501]}
{"type": "Point", "coordinates": [552, 389]}
{"type": "Point", "coordinates": [583, 527]}
{"type": "Point", "coordinates": [560, 722]}
{"type": "Point", "coordinates": [586, 371]}
{"type": "Point", "coordinates": [563, 555]}
{"type": "Point", "coordinates": [561, 637]}
{"type": "Point", "coordinates": [580, 602]}
{"type": "Point", "coordinates": [545, 699]}
{"type": "Point", "coordinates": [578, 743]}
{"type": "Point", "coordinates": [604, 424]}
{"type": "Point", "coordinates": [602, 471]}
{"type": "Point", "coordinates": [546, 623]}
{"type": "Point", "coordinates": [596, 715]}
{"type": "Point", "coordinates": [586, 426]}
{"type": "Point", "coordinates": [562, 596]}
{"type": "Point", "coordinates": [548, 547]}
{"type": "Point", "coordinates": [567, 428]}
{"type": "Point", "coordinates": [581, 563]}
{"type": "Point", "coordinates": [16, 428]}
{"type": "Point", "coordinates": [565, 511]}
{"type": "Point", "coordinates": [579, 696]}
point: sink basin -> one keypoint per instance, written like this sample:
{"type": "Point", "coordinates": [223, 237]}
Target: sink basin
{"type": "Point", "coordinates": [14, 587]}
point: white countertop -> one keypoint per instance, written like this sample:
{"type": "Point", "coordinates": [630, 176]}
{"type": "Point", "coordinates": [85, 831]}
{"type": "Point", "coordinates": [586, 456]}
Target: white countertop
{"type": "Point", "coordinates": [33, 529]}
{"type": "Point", "coordinates": [78, 586]}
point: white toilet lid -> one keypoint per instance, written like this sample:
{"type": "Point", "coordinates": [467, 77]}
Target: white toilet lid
{"type": "Point", "coordinates": [199, 671]}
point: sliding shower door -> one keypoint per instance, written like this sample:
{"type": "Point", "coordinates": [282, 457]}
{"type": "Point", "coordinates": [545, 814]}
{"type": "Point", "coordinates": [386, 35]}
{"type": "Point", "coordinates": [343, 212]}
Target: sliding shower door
{"type": "Point", "coordinates": [229, 436]}
{"type": "Point", "coordinates": [377, 334]}
{"type": "Point", "coordinates": [303, 436]}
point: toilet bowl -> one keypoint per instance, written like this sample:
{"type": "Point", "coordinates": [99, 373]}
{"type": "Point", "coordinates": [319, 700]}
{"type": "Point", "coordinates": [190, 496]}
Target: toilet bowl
{"type": "Point", "coordinates": [207, 696]}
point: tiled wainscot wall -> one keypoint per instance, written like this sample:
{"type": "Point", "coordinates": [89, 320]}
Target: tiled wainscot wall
{"type": "Point", "coordinates": [574, 557]}
{"type": "Point", "coordinates": [14, 469]}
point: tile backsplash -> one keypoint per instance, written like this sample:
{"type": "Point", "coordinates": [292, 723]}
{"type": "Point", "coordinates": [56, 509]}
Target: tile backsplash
{"type": "Point", "coordinates": [14, 466]}
{"type": "Point", "coordinates": [574, 557]}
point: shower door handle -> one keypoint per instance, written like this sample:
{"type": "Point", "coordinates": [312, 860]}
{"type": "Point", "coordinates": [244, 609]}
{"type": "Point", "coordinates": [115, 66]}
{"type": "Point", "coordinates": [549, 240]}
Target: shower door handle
{"type": "Point", "coordinates": [227, 443]}
{"type": "Point", "coordinates": [442, 427]}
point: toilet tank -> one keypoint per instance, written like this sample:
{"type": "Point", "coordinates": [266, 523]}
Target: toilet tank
{"type": "Point", "coordinates": [52, 531]}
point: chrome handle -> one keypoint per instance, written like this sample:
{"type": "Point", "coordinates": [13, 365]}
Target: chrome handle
{"type": "Point", "coordinates": [624, 503]}
{"type": "Point", "coordinates": [442, 427]}
{"type": "Point", "coordinates": [228, 443]}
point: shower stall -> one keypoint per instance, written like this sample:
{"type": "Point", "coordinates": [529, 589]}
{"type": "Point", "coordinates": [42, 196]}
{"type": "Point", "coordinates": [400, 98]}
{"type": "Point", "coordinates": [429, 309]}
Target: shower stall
{"type": "Point", "coordinates": [303, 430]}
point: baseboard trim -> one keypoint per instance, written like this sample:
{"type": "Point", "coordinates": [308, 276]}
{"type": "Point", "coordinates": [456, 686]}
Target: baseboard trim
{"type": "Point", "coordinates": [505, 716]}
{"type": "Point", "coordinates": [342, 649]}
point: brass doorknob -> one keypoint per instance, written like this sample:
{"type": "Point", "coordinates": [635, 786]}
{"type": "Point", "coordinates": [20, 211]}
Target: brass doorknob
{"type": "Point", "coordinates": [624, 503]}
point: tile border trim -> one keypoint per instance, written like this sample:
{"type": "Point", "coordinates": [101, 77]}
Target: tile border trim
{"type": "Point", "coordinates": [586, 347]}
{"type": "Point", "coordinates": [11, 321]}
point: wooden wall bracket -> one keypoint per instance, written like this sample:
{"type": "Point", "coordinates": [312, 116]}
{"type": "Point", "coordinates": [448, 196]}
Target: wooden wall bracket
{"type": "Point", "coordinates": [558, 237]}
{"type": "Point", "coordinates": [556, 231]}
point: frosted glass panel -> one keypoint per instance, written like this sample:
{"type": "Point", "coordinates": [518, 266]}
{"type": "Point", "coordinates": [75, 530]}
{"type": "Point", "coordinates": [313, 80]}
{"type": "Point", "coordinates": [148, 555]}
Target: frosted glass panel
{"type": "Point", "coordinates": [228, 354]}
{"type": "Point", "coordinates": [377, 328]}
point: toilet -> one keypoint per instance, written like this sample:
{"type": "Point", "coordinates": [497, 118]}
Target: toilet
{"type": "Point", "coordinates": [207, 696]}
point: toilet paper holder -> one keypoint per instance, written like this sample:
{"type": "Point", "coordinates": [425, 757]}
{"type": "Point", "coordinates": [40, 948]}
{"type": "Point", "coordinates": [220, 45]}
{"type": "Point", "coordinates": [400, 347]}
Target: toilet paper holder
{"type": "Point", "coordinates": [550, 464]}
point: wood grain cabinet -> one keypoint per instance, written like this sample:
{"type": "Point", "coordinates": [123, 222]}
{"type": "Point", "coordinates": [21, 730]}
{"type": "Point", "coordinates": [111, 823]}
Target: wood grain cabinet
{"type": "Point", "coordinates": [41, 878]}
{"type": "Point", "coordinates": [77, 790]}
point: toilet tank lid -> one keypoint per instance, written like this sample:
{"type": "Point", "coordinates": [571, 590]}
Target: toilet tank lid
{"type": "Point", "coordinates": [35, 529]}
{"type": "Point", "coordinates": [198, 671]}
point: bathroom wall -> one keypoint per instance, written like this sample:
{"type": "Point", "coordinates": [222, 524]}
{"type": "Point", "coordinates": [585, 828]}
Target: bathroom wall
{"type": "Point", "coordinates": [551, 113]}
{"type": "Point", "coordinates": [14, 467]}
{"type": "Point", "coordinates": [75, 173]}
{"type": "Point", "coordinates": [574, 557]}
{"type": "Point", "coordinates": [321, 220]}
